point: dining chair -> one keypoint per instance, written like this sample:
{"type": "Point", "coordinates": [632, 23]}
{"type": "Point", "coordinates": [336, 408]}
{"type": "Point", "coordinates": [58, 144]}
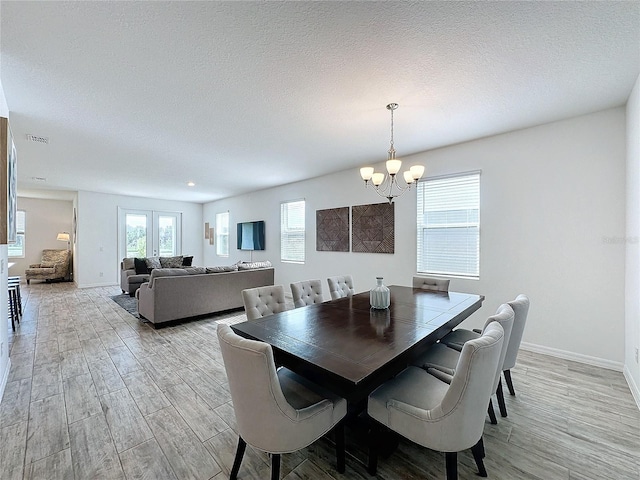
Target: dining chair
{"type": "Point", "coordinates": [306, 293]}
{"type": "Point", "coordinates": [430, 283]}
{"type": "Point", "coordinates": [341, 286]}
{"type": "Point", "coordinates": [262, 301]}
{"type": "Point", "coordinates": [520, 306]}
{"type": "Point", "coordinates": [277, 411]}
{"type": "Point", "coordinates": [444, 358]}
{"type": "Point", "coordinates": [447, 416]}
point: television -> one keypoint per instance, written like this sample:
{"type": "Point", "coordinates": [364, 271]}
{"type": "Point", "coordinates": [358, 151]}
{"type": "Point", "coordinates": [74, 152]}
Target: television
{"type": "Point", "coordinates": [251, 235]}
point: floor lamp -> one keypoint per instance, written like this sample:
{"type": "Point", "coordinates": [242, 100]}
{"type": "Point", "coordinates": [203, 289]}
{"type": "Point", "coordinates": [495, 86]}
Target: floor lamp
{"type": "Point", "coordinates": [65, 237]}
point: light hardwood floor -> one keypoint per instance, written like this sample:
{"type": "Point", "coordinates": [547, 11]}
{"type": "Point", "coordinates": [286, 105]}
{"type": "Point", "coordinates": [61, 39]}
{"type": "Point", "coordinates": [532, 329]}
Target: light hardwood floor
{"type": "Point", "coordinates": [95, 393]}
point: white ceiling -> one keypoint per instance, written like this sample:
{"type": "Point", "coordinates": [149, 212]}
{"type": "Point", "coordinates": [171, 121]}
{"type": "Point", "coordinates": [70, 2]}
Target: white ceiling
{"type": "Point", "coordinates": [139, 98]}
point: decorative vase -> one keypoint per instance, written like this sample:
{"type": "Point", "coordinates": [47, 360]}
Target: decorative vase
{"type": "Point", "coordinates": [379, 296]}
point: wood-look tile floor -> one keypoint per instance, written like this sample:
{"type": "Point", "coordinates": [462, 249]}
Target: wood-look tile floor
{"type": "Point", "coordinates": [93, 392]}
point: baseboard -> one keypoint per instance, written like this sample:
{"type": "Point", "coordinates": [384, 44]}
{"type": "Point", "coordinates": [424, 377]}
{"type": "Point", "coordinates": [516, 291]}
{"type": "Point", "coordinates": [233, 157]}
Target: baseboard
{"type": "Point", "coordinates": [633, 386]}
{"type": "Point", "coordinates": [93, 285]}
{"type": "Point", "coordinates": [576, 357]}
{"type": "Point", "coordinates": [5, 378]}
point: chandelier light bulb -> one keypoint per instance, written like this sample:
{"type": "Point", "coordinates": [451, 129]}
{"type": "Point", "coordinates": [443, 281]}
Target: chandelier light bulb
{"type": "Point", "coordinates": [366, 173]}
{"type": "Point", "coordinates": [377, 178]}
{"type": "Point", "coordinates": [408, 176]}
{"type": "Point", "coordinates": [393, 166]}
{"type": "Point", "coordinates": [417, 171]}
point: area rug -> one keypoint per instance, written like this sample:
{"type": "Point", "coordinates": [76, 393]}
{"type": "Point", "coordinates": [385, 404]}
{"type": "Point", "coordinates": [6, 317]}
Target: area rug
{"type": "Point", "coordinates": [130, 304]}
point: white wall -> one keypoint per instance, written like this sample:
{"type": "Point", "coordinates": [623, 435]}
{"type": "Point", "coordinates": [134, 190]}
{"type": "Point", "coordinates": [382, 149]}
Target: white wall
{"type": "Point", "coordinates": [4, 332]}
{"type": "Point", "coordinates": [44, 220]}
{"type": "Point", "coordinates": [632, 274]}
{"type": "Point", "coordinates": [552, 216]}
{"type": "Point", "coordinates": [97, 233]}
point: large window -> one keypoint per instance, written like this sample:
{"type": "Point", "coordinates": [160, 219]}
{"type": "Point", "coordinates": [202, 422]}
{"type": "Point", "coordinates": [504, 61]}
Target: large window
{"type": "Point", "coordinates": [222, 234]}
{"type": "Point", "coordinates": [292, 231]}
{"type": "Point", "coordinates": [449, 225]}
{"type": "Point", "coordinates": [16, 250]}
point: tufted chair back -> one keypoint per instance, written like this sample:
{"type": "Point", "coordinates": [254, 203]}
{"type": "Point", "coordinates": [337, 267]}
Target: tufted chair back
{"type": "Point", "coordinates": [430, 283]}
{"type": "Point", "coordinates": [262, 301]}
{"type": "Point", "coordinates": [340, 287]}
{"type": "Point", "coordinates": [306, 293]}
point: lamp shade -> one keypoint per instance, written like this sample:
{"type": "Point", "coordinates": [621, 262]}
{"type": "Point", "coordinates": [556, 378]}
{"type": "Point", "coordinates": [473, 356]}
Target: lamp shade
{"type": "Point", "coordinates": [63, 237]}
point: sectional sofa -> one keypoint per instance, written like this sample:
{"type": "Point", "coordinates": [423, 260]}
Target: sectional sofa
{"type": "Point", "coordinates": [173, 294]}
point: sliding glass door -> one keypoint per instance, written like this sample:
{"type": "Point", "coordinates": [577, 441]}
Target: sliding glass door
{"type": "Point", "coordinates": [148, 233]}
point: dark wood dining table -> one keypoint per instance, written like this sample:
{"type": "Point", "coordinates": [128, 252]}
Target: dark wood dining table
{"type": "Point", "coordinates": [349, 348]}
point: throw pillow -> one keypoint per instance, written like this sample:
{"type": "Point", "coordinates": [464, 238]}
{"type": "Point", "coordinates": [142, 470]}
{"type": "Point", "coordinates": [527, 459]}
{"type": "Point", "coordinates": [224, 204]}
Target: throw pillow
{"type": "Point", "coordinates": [187, 261]}
{"type": "Point", "coordinates": [128, 263]}
{"type": "Point", "coordinates": [252, 265]}
{"type": "Point", "coordinates": [171, 262]}
{"type": "Point", "coordinates": [140, 265]}
{"type": "Point", "coordinates": [153, 262]}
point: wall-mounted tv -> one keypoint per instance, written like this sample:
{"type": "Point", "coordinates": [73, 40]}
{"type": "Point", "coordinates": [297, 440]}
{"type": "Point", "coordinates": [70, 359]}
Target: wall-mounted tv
{"type": "Point", "coordinates": [251, 235]}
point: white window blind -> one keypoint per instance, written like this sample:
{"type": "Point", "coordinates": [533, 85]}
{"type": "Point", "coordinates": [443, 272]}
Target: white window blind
{"type": "Point", "coordinates": [222, 234]}
{"type": "Point", "coordinates": [449, 225]}
{"type": "Point", "coordinates": [17, 249]}
{"type": "Point", "coordinates": [292, 234]}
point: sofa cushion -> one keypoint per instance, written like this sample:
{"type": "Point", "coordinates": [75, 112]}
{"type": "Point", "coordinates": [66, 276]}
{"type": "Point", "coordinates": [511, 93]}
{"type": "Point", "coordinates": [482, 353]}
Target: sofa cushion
{"type": "Point", "coordinates": [171, 262]}
{"type": "Point", "coordinates": [128, 263]}
{"type": "Point", "coordinates": [252, 265]}
{"type": "Point", "coordinates": [166, 272]}
{"type": "Point", "coordinates": [221, 268]}
{"type": "Point", "coordinates": [153, 262]}
{"type": "Point", "coordinates": [140, 265]}
{"type": "Point", "coordinates": [195, 270]}
{"type": "Point", "coordinates": [135, 279]}
{"type": "Point", "coordinates": [187, 261]}
{"type": "Point", "coordinates": [44, 264]}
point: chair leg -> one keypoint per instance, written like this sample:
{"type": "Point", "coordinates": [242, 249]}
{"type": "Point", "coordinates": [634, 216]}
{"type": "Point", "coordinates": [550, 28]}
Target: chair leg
{"type": "Point", "coordinates": [507, 377]}
{"type": "Point", "coordinates": [374, 440]}
{"type": "Point", "coordinates": [478, 454]}
{"type": "Point", "coordinates": [340, 455]}
{"type": "Point", "coordinates": [242, 445]}
{"type": "Point", "coordinates": [275, 466]}
{"type": "Point", "coordinates": [451, 461]}
{"type": "Point", "coordinates": [492, 413]}
{"type": "Point", "coordinates": [500, 395]}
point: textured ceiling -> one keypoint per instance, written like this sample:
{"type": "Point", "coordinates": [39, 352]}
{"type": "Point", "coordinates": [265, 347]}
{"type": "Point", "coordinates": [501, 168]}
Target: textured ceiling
{"type": "Point", "coordinates": [142, 97]}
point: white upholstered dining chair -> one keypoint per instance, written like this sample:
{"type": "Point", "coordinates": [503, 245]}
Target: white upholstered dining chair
{"type": "Point", "coordinates": [520, 307]}
{"type": "Point", "coordinates": [276, 411]}
{"type": "Point", "coordinates": [341, 286]}
{"type": "Point", "coordinates": [441, 357]}
{"type": "Point", "coordinates": [262, 301]}
{"type": "Point", "coordinates": [447, 416]}
{"type": "Point", "coordinates": [306, 293]}
{"type": "Point", "coordinates": [430, 283]}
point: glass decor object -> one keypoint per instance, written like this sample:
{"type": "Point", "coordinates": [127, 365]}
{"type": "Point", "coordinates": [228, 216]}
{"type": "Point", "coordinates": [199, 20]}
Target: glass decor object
{"type": "Point", "coordinates": [379, 296]}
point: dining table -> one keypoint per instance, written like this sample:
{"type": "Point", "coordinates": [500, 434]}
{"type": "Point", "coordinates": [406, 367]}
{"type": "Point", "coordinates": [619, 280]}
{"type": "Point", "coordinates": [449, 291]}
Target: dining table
{"type": "Point", "coordinates": [349, 348]}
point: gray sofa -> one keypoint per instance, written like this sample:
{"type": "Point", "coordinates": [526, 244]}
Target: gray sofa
{"type": "Point", "coordinates": [130, 280]}
{"type": "Point", "coordinates": [182, 293]}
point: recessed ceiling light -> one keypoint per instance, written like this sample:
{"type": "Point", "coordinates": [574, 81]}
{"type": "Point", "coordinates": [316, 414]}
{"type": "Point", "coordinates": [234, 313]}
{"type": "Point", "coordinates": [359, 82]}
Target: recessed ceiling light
{"type": "Point", "coordinates": [191, 184]}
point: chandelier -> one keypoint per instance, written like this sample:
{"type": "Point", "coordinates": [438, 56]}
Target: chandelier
{"type": "Point", "coordinates": [387, 186]}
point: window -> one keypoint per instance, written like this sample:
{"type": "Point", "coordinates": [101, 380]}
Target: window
{"type": "Point", "coordinates": [292, 231]}
{"type": "Point", "coordinates": [449, 225]}
{"type": "Point", "coordinates": [222, 234]}
{"type": "Point", "coordinates": [17, 249]}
